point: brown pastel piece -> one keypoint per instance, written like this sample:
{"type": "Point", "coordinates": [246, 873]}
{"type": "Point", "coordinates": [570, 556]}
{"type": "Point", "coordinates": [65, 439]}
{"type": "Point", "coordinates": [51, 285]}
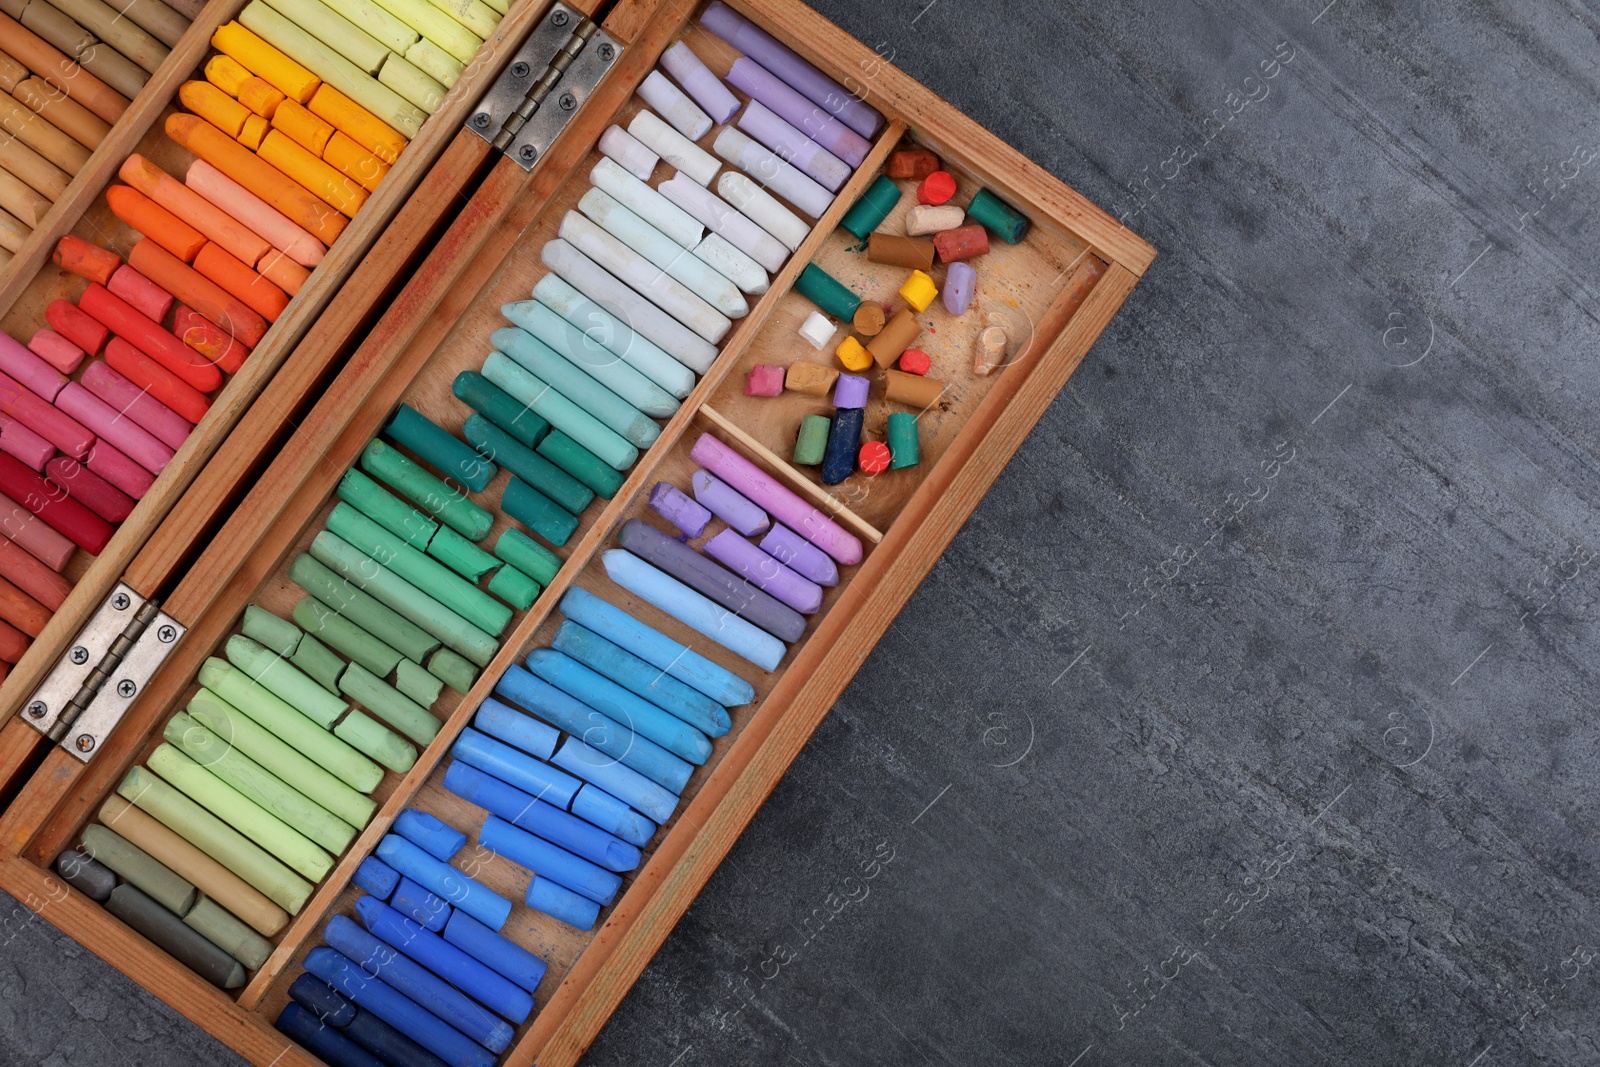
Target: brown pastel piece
{"type": "Point", "coordinates": [69, 116]}
{"type": "Point", "coordinates": [963, 242]}
{"type": "Point", "coordinates": [913, 164]}
{"type": "Point", "coordinates": [16, 198]}
{"type": "Point", "coordinates": [915, 253]}
{"type": "Point", "coordinates": [31, 168]}
{"type": "Point", "coordinates": [813, 379]}
{"type": "Point", "coordinates": [895, 338]}
{"type": "Point", "coordinates": [12, 73]}
{"type": "Point", "coordinates": [42, 135]}
{"type": "Point", "coordinates": [869, 318]}
{"type": "Point", "coordinates": [912, 390]}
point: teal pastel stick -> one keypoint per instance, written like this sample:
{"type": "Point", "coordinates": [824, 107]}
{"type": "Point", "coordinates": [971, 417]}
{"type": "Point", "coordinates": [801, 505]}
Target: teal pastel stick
{"type": "Point", "coordinates": [574, 383]}
{"type": "Point", "coordinates": [693, 610]}
{"type": "Point", "coordinates": [635, 675]}
{"type": "Point", "coordinates": [439, 448]}
{"type": "Point", "coordinates": [538, 512]}
{"type": "Point", "coordinates": [656, 648]}
{"type": "Point", "coordinates": [490, 401]}
{"type": "Point", "coordinates": [386, 509]}
{"type": "Point", "coordinates": [560, 411]}
{"type": "Point", "coordinates": [615, 702]}
{"type": "Point", "coordinates": [602, 365]}
{"type": "Point", "coordinates": [600, 326]}
{"type": "Point", "coordinates": [528, 465]}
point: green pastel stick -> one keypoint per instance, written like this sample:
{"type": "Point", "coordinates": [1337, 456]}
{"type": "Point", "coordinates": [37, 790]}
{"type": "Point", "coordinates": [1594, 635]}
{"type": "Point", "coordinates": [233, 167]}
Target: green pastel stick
{"type": "Point", "coordinates": [430, 576]}
{"type": "Point", "coordinates": [280, 635]}
{"type": "Point", "coordinates": [454, 671]}
{"type": "Point", "coordinates": [827, 292]}
{"type": "Point", "coordinates": [528, 556]}
{"type": "Point", "coordinates": [527, 464]}
{"type": "Point", "coordinates": [447, 504]}
{"type": "Point", "coordinates": [321, 665]}
{"type": "Point", "coordinates": [395, 35]}
{"type": "Point", "coordinates": [385, 509]}
{"type": "Point", "coordinates": [436, 26]}
{"type": "Point", "coordinates": [360, 609]}
{"type": "Point", "coordinates": [542, 361]}
{"type": "Point", "coordinates": [873, 207]}
{"type": "Point", "coordinates": [410, 602]}
{"type": "Point", "coordinates": [514, 587]}
{"type": "Point", "coordinates": [538, 512]}
{"type": "Point", "coordinates": [492, 402]}
{"type": "Point", "coordinates": [477, 17]}
{"type": "Point", "coordinates": [305, 736]}
{"type": "Point", "coordinates": [412, 83]}
{"type": "Point", "coordinates": [260, 785]}
{"type": "Point", "coordinates": [140, 869]}
{"type": "Point", "coordinates": [997, 216]}
{"type": "Point", "coordinates": [560, 411]}
{"type": "Point", "coordinates": [143, 789]}
{"type": "Point", "coordinates": [219, 926]}
{"type": "Point", "coordinates": [460, 555]}
{"type": "Point", "coordinates": [345, 636]}
{"type": "Point", "coordinates": [439, 448]}
{"type": "Point", "coordinates": [274, 755]}
{"type": "Point", "coordinates": [414, 681]}
{"type": "Point", "coordinates": [582, 464]}
{"type": "Point", "coordinates": [377, 741]}
{"type": "Point", "coordinates": [285, 681]}
{"type": "Point", "coordinates": [331, 29]}
{"type": "Point", "coordinates": [812, 440]}
{"type": "Point", "coordinates": [390, 705]}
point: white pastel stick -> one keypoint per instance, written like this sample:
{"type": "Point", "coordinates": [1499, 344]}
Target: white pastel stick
{"type": "Point", "coordinates": [689, 158]}
{"type": "Point", "coordinates": [648, 204]}
{"type": "Point", "coordinates": [603, 330]}
{"type": "Point", "coordinates": [772, 172]}
{"type": "Point", "coordinates": [698, 81]}
{"type": "Point", "coordinates": [762, 208]}
{"type": "Point", "coordinates": [664, 252]}
{"type": "Point", "coordinates": [618, 144]}
{"type": "Point", "coordinates": [716, 253]}
{"type": "Point", "coordinates": [679, 111]}
{"type": "Point", "coordinates": [724, 218]}
{"type": "Point", "coordinates": [644, 277]}
{"type": "Point", "coordinates": [593, 281]}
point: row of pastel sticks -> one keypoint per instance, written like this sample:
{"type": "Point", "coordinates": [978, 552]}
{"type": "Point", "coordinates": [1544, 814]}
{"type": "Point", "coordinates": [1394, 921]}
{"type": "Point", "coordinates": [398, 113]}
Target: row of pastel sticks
{"type": "Point", "coordinates": [118, 46]}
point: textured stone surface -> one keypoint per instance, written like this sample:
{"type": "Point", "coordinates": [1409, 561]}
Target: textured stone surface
{"type": "Point", "coordinates": [1248, 721]}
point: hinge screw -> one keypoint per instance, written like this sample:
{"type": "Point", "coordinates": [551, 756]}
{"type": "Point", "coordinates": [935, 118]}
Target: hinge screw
{"type": "Point", "coordinates": [37, 709]}
{"type": "Point", "coordinates": [481, 119]}
{"type": "Point", "coordinates": [167, 634]}
{"type": "Point", "coordinates": [126, 688]}
{"type": "Point", "coordinates": [120, 601]}
{"type": "Point", "coordinates": [520, 69]}
{"type": "Point", "coordinates": [79, 655]}
{"type": "Point", "coordinates": [606, 53]}
{"type": "Point", "coordinates": [84, 742]}
{"type": "Point", "coordinates": [568, 101]}
{"type": "Point", "coordinates": [558, 19]}
{"type": "Point", "coordinates": [528, 153]}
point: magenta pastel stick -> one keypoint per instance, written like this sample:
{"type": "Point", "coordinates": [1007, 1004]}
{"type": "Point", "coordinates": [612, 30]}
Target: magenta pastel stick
{"type": "Point", "coordinates": [674, 505]}
{"type": "Point", "coordinates": [41, 378]}
{"type": "Point", "coordinates": [119, 470]}
{"type": "Point", "coordinates": [143, 294]}
{"type": "Point", "coordinates": [43, 418]}
{"type": "Point", "coordinates": [728, 504]}
{"type": "Point", "coordinates": [19, 441]}
{"type": "Point", "coordinates": [805, 558]}
{"type": "Point", "coordinates": [799, 112]}
{"type": "Point", "coordinates": [125, 435]}
{"type": "Point", "coordinates": [780, 501]}
{"type": "Point", "coordinates": [89, 489]}
{"type": "Point", "coordinates": [167, 425]}
{"type": "Point", "coordinates": [764, 572]}
{"type": "Point", "coordinates": [698, 81]}
{"type": "Point", "coordinates": [794, 147]}
{"type": "Point", "coordinates": [56, 350]}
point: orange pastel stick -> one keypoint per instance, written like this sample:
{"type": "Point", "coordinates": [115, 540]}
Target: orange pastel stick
{"type": "Point", "coordinates": [31, 51]}
{"type": "Point", "coordinates": [155, 222]}
{"type": "Point", "coordinates": [18, 566]}
{"type": "Point", "coordinates": [209, 339]}
{"type": "Point", "coordinates": [254, 132]}
{"type": "Point", "coordinates": [21, 610]}
{"type": "Point", "coordinates": [253, 92]}
{"type": "Point", "coordinates": [193, 208]}
{"type": "Point", "coordinates": [333, 188]}
{"type": "Point", "coordinates": [256, 175]}
{"type": "Point", "coordinates": [357, 123]}
{"type": "Point", "coordinates": [156, 380]}
{"type": "Point", "coordinates": [259, 57]}
{"type": "Point", "coordinates": [243, 282]}
{"type": "Point", "coordinates": [215, 106]}
{"type": "Point", "coordinates": [13, 643]}
{"type": "Point", "coordinates": [351, 160]}
{"type": "Point", "coordinates": [85, 260]}
{"type": "Point", "coordinates": [283, 272]}
{"type": "Point", "coordinates": [205, 296]}
{"type": "Point", "coordinates": [302, 127]}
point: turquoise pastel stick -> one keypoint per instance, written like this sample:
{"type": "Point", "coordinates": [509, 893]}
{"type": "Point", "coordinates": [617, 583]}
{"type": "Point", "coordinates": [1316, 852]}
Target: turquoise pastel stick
{"type": "Point", "coordinates": [605, 329]}
{"type": "Point", "coordinates": [600, 364]}
{"type": "Point", "coordinates": [560, 411]}
{"type": "Point", "coordinates": [615, 702]}
{"type": "Point", "coordinates": [634, 674]}
{"type": "Point", "coordinates": [678, 262]}
{"type": "Point", "coordinates": [656, 648]}
{"type": "Point", "coordinates": [693, 610]}
{"type": "Point", "coordinates": [572, 382]}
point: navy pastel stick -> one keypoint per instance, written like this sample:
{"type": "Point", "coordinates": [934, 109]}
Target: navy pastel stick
{"type": "Point", "coordinates": [397, 1009]}
{"type": "Point", "coordinates": [330, 1044]}
{"type": "Point", "coordinates": [317, 997]}
{"type": "Point", "coordinates": [387, 1043]}
{"type": "Point", "coordinates": [444, 959]}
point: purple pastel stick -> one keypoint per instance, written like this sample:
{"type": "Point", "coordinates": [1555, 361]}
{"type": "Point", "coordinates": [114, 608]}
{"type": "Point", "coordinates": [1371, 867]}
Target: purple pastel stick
{"type": "Point", "coordinates": [801, 113]}
{"type": "Point", "coordinates": [960, 286]}
{"type": "Point", "coordinates": [784, 503]}
{"type": "Point", "coordinates": [674, 505]}
{"type": "Point", "coordinates": [764, 572]}
{"type": "Point", "coordinates": [811, 83]}
{"type": "Point", "coordinates": [728, 504]}
{"type": "Point", "coordinates": [851, 392]}
{"type": "Point", "coordinates": [788, 547]}
{"type": "Point", "coordinates": [794, 147]}
{"type": "Point", "coordinates": [698, 81]}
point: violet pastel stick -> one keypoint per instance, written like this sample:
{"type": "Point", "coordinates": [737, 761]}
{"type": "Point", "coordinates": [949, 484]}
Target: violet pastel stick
{"type": "Point", "coordinates": [794, 147]}
{"type": "Point", "coordinates": [726, 221]}
{"type": "Point", "coordinates": [711, 580]}
{"type": "Point", "coordinates": [800, 555]}
{"type": "Point", "coordinates": [671, 503]}
{"type": "Point", "coordinates": [782, 503]}
{"type": "Point", "coordinates": [807, 117]}
{"type": "Point", "coordinates": [728, 504]}
{"type": "Point", "coordinates": [698, 81]}
{"type": "Point", "coordinates": [764, 572]}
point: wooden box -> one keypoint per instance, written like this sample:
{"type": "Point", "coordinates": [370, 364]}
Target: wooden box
{"type": "Point", "coordinates": [1056, 291]}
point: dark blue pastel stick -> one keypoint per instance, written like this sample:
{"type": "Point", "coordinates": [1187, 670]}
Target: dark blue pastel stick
{"type": "Point", "coordinates": [433, 835]}
{"type": "Point", "coordinates": [472, 897]}
{"type": "Point", "coordinates": [562, 903]}
{"type": "Point", "coordinates": [446, 960]}
{"type": "Point", "coordinates": [595, 805]}
{"type": "Point", "coordinates": [326, 1041]}
{"type": "Point", "coordinates": [397, 1009]}
{"type": "Point", "coordinates": [554, 825]}
{"type": "Point", "coordinates": [635, 675]}
{"type": "Point", "coordinates": [844, 441]}
{"type": "Point", "coordinates": [629, 709]}
{"type": "Point", "coordinates": [317, 997]}
{"type": "Point", "coordinates": [376, 877]}
{"type": "Point", "coordinates": [516, 729]}
{"type": "Point", "coordinates": [495, 951]}
{"type": "Point", "coordinates": [405, 975]}
{"type": "Point", "coordinates": [627, 785]}
{"type": "Point", "coordinates": [556, 864]}
{"type": "Point", "coordinates": [420, 906]}
{"type": "Point", "coordinates": [387, 1043]}
{"type": "Point", "coordinates": [518, 768]}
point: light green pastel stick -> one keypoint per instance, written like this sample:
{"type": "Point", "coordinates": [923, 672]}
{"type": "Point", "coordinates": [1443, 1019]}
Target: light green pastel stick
{"type": "Point", "coordinates": [332, 30]}
{"type": "Point", "coordinates": [460, 555]}
{"type": "Point", "coordinates": [477, 17]}
{"type": "Point", "coordinates": [285, 681]}
{"type": "Point", "coordinates": [390, 705]}
{"type": "Point", "coordinates": [428, 575]}
{"type": "Point", "coordinates": [412, 83]}
{"type": "Point", "coordinates": [528, 556]}
{"type": "Point", "coordinates": [260, 785]}
{"type": "Point", "coordinates": [386, 509]}
{"type": "Point", "coordinates": [305, 736]}
{"type": "Point", "coordinates": [436, 26]}
{"type": "Point", "coordinates": [347, 599]}
{"type": "Point", "coordinates": [559, 411]}
{"type": "Point", "coordinates": [321, 665]}
{"type": "Point", "coordinates": [448, 504]}
{"type": "Point", "coordinates": [361, 570]}
{"type": "Point", "coordinates": [630, 386]}
{"type": "Point", "coordinates": [435, 62]}
{"type": "Point", "coordinates": [262, 626]}
{"type": "Point", "coordinates": [517, 588]}
{"type": "Point", "coordinates": [240, 812]}
{"type": "Point", "coordinates": [377, 741]}
{"type": "Point", "coordinates": [502, 6]}
{"type": "Point", "coordinates": [345, 636]}
{"type": "Point", "coordinates": [219, 926]}
{"type": "Point", "coordinates": [454, 671]}
{"type": "Point", "coordinates": [236, 728]}
{"type": "Point", "coordinates": [416, 683]}
{"type": "Point", "coordinates": [577, 385]}
{"type": "Point", "coordinates": [143, 789]}
{"type": "Point", "coordinates": [384, 28]}
{"type": "Point", "coordinates": [139, 869]}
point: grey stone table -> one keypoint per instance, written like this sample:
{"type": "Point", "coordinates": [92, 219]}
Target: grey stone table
{"type": "Point", "coordinates": [1250, 719]}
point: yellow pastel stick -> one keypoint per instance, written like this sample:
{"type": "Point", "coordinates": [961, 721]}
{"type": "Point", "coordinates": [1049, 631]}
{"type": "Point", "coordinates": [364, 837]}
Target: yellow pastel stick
{"type": "Point", "coordinates": [215, 106]}
{"type": "Point", "coordinates": [312, 174]}
{"type": "Point", "coordinates": [251, 91]}
{"type": "Point", "coordinates": [395, 35]}
{"type": "Point", "coordinates": [475, 16]}
{"type": "Point", "coordinates": [357, 123]}
{"type": "Point", "coordinates": [259, 57]}
{"type": "Point", "coordinates": [351, 160]}
{"type": "Point", "coordinates": [333, 30]}
{"type": "Point", "coordinates": [435, 62]}
{"type": "Point", "coordinates": [436, 26]}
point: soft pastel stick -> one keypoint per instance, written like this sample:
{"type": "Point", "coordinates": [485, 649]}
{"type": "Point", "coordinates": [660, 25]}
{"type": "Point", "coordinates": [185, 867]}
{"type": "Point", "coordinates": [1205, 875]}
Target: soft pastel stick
{"type": "Point", "coordinates": [678, 508]}
{"type": "Point", "coordinates": [761, 570]}
{"type": "Point", "coordinates": [27, 368]}
{"type": "Point", "coordinates": [161, 383]}
{"type": "Point", "coordinates": [629, 786]}
{"type": "Point", "coordinates": [693, 610]}
{"type": "Point", "coordinates": [491, 402]}
{"type": "Point", "coordinates": [210, 220]}
{"type": "Point", "coordinates": [471, 976]}
{"type": "Point", "coordinates": [56, 350]}
{"type": "Point", "coordinates": [210, 340]}
{"type": "Point", "coordinates": [446, 503]}
{"type": "Point", "coordinates": [71, 322]}
{"type": "Point", "coordinates": [763, 209]}
{"type": "Point", "coordinates": [471, 896]}
{"type": "Point", "coordinates": [559, 902]}
{"type": "Point", "coordinates": [317, 997]}
{"type": "Point", "coordinates": [495, 951]}
{"type": "Point", "coordinates": [617, 703]}
{"type": "Point", "coordinates": [522, 461]}
{"type": "Point", "coordinates": [30, 533]}
{"type": "Point", "coordinates": [128, 399]}
{"type": "Point", "coordinates": [138, 868]}
{"type": "Point", "coordinates": [349, 605]}
{"type": "Point", "coordinates": [570, 380]}
{"type": "Point", "coordinates": [87, 488]}
{"type": "Point", "coordinates": [594, 805]}
{"type": "Point", "coordinates": [326, 1041]}
{"type": "Point", "coordinates": [206, 297]}
{"type": "Point", "coordinates": [726, 221]}
{"type": "Point", "coordinates": [602, 333]}
{"type": "Point", "coordinates": [395, 516]}
{"type": "Point", "coordinates": [332, 188]}
{"type": "Point", "coordinates": [142, 294]}
{"type": "Point", "coordinates": [240, 281]}
{"type": "Point", "coordinates": [635, 675]}
{"type": "Point", "coordinates": [755, 80]}
{"type": "Point", "coordinates": [376, 877]}
{"type": "Point", "coordinates": [560, 411]}
{"type": "Point", "coordinates": [155, 221]}
{"type": "Point", "coordinates": [270, 670]}
{"type": "Point", "coordinates": [439, 448]}
{"type": "Point", "coordinates": [64, 515]}
{"type": "Point", "coordinates": [674, 106]}
{"type": "Point", "coordinates": [782, 503]}
{"type": "Point", "coordinates": [546, 820]}
{"type": "Point", "coordinates": [148, 337]}
{"type": "Point", "coordinates": [259, 57]}
{"type": "Point", "coordinates": [614, 375]}
{"type": "Point", "coordinates": [125, 435]}
{"type": "Point", "coordinates": [549, 861]}
{"type": "Point", "coordinates": [656, 648]}
{"type": "Point", "coordinates": [72, 253]}
{"type": "Point", "coordinates": [357, 123]}
{"type": "Point", "coordinates": [633, 194]}
{"type": "Point", "coordinates": [23, 443]}
{"type": "Point", "coordinates": [639, 274]}
{"type": "Point", "coordinates": [60, 70]}
{"type": "Point", "coordinates": [420, 906]}
{"type": "Point", "coordinates": [167, 930]}
{"type": "Point", "coordinates": [697, 79]}
{"type": "Point", "coordinates": [514, 767]}
{"type": "Point", "coordinates": [387, 1043]}
{"type": "Point", "coordinates": [711, 580]}
{"type": "Point", "coordinates": [33, 577]}
{"type": "Point", "coordinates": [220, 927]}
{"type": "Point", "coordinates": [38, 415]}
{"type": "Point", "coordinates": [255, 213]}
{"type": "Point", "coordinates": [688, 158]}
{"type": "Point", "coordinates": [664, 253]}
{"type": "Point", "coordinates": [728, 504]}
{"type": "Point", "coordinates": [398, 1010]}
{"type": "Point", "coordinates": [374, 740]}
{"type": "Point", "coordinates": [794, 147]}
{"type": "Point", "coordinates": [429, 832]}
{"type": "Point", "coordinates": [771, 171]}
{"type": "Point", "coordinates": [514, 728]}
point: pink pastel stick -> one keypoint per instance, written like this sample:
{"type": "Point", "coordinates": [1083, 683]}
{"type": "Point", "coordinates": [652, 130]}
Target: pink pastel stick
{"type": "Point", "coordinates": [40, 377]}
{"type": "Point", "coordinates": [120, 471]}
{"type": "Point", "coordinates": [49, 422]}
{"type": "Point", "coordinates": [106, 421]}
{"type": "Point", "coordinates": [146, 297]}
{"type": "Point", "coordinates": [56, 350]}
{"type": "Point", "coordinates": [255, 214]}
{"type": "Point", "coordinates": [167, 425]}
{"type": "Point", "coordinates": [780, 501]}
{"type": "Point", "coordinates": [33, 536]}
{"type": "Point", "coordinates": [19, 441]}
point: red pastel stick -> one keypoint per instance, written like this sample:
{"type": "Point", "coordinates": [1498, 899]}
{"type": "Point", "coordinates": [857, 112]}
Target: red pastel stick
{"type": "Point", "coordinates": [89, 489]}
{"type": "Point", "coordinates": [152, 340]}
{"type": "Point", "coordinates": [61, 430]}
{"type": "Point", "coordinates": [209, 339]}
{"type": "Point", "coordinates": [148, 298]}
{"type": "Point", "coordinates": [84, 259]}
{"type": "Point", "coordinates": [57, 510]}
{"type": "Point", "coordinates": [120, 471]}
{"type": "Point", "coordinates": [13, 643]}
{"type": "Point", "coordinates": [28, 533]}
{"type": "Point", "coordinates": [71, 322]}
{"type": "Point", "coordinates": [56, 350]}
{"type": "Point", "coordinates": [161, 383]}
{"type": "Point", "coordinates": [31, 576]}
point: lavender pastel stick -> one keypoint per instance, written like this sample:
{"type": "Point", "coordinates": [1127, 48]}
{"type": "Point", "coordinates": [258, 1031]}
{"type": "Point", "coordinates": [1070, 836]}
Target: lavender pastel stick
{"type": "Point", "coordinates": [777, 57]}
{"type": "Point", "coordinates": [674, 505]}
{"type": "Point", "coordinates": [711, 580]}
{"type": "Point", "coordinates": [806, 559]}
{"type": "Point", "coordinates": [764, 572]}
{"type": "Point", "coordinates": [728, 504]}
{"type": "Point", "coordinates": [773, 173]}
{"type": "Point", "coordinates": [801, 113]}
{"type": "Point", "coordinates": [784, 504]}
{"type": "Point", "coordinates": [794, 147]}
{"type": "Point", "coordinates": [698, 81]}
{"type": "Point", "coordinates": [670, 103]}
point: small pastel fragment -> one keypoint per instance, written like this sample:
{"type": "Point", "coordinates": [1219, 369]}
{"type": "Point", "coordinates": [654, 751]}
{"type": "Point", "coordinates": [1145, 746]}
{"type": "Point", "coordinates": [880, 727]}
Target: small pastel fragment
{"type": "Point", "coordinates": [811, 443]}
{"type": "Point", "coordinates": [851, 391]}
{"type": "Point", "coordinates": [817, 330]}
{"type": "Point", "coordinates": [925, 219]}
{"type": "Point", "coordinates": [874, 457]}
{"type": "Point", "coordinates": [903, 444]}
{"type": "Point", "coordinates": [811, 379]}
{"type": "Point", "coordinates": [869, 318]}
{"type": "Point", "coordinates": [989, 350]}
{"type": "Point", "coordinates": [960, 286]}
{"type": "Point", "coordinates": [676, 506]}
{"type": "Point", "coordinates": [936, 188]}
{"type": "Point", "coordinates": [764, 380]}
{"type": "Point", "coordinates": [913, 163]}
{"type": "Point", "coordinates": [852, 355]}
{"type": "Point", "coordinates": [963, 242]}
{"type": "Point", "coordinates": [915, 361]}
{"type": "Point", "coordinates": [919, 290]}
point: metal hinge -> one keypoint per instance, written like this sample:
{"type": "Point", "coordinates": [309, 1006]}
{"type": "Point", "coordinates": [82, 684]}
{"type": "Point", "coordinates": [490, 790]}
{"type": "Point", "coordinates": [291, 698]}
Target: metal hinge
{"type": "Point", "coordinates": [103, 673]}
{"type": "Point", "coordinates": [549, 79]}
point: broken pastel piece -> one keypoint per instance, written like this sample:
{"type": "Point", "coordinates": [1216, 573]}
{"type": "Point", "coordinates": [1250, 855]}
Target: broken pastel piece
{"type": "Point", "coordinates": [803, 557]}
{"type": "Point", "coordinates": [923, 219]}
{"type": "Point", "coordinates": [811, 379]}
{"type": "Point", "coordinates": [817, 330]}
{"type": "Point", "coordinates": [844, 438]}
{"type": "Point", "coordinates": [960, 286]}
{"type": "Point", "coordinates": [851, 392]}
{"type": "Point", "coordinates": [904, 447]}
{"type": "Point", "coordinates": [811, 441]}
{"type": "Point", "coordinates": [963, 242]}
{"type": "Point", "coordinates": [998, 217]}
{"type": "Point", "coordinates": [919, 290]}
{"type": "Point", "coordinates": [764, 380]}
{"type": "Point", "coordinates": [728, 504]}
{"type": "Point", "coordinates": [674, 505]}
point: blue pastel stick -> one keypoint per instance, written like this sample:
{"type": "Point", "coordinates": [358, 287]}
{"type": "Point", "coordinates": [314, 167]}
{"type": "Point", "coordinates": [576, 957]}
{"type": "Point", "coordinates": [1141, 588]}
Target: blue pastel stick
{"type": "Point", "coordinates": [495, 951]}
{"type": "Point", "coordinates": [595, 805]}
{"type": "Point", "coordinates": [554, 825]}
{"type": "Point", "coordinates": [405, 975]}
{"type": "Point", "coordinates": [699, 613]}
{"type": "Point", "coordinates": [446, 960]}
{"type": "Point", "coordinates": [616, 703]}
{"type": "Point", "coordinates": [601, 731]}
{"type": "Point", "coordinates": [472, 897]}
{"type": "Point", "coordinates": [328, 1043]}
{"type": "Point", "coordinates": [518, 768]}
{"type": "Point", "coordinates": [656, 648]}
{"type": "Point", "coordinates": [387, 1043]}
{"type": "Point", "coordinates": [559, 902]}
{"type": "Point", "coordinates": [516, 729]}
{"type": "Point", "coordinates": [627, 785]}
{"type": "Point", "coordinates": [397, 1009]}
{"type": "Point", "coordinates": [420, 906]}
{"type": "Point", "coordinates": [541, 857]}
{"type": "Point", "coordinates": [376, 877]}
{"type": "Point", "coordinates": [635, 675]}
{"type": "Point", "coordinates": [429, 833]}
{"type": "Point", "coordinates": [317, 997]}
